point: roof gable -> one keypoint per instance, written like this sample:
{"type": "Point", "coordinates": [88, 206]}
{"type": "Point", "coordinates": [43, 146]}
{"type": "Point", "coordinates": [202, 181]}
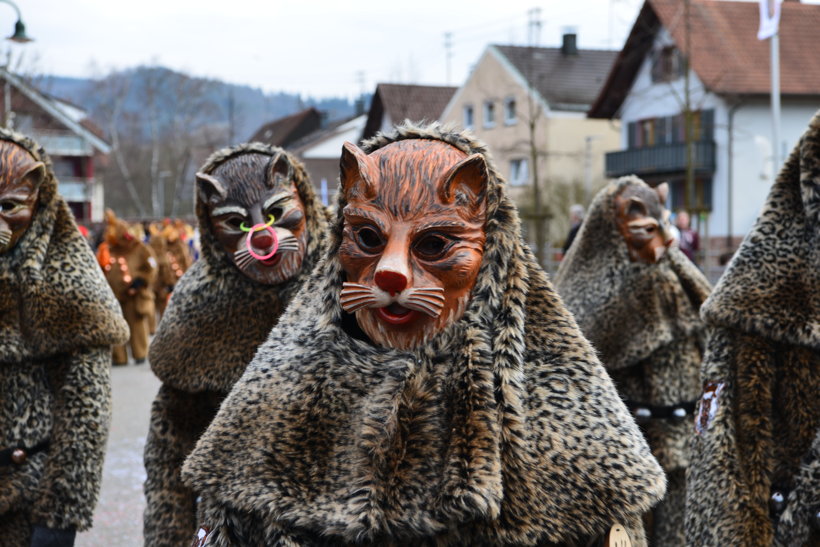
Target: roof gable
{"type": "Point", "coordinates": [726, 54]}
{"type": "Point", "coordinates": [69, 118]}
{"type": "Point", "coordinates": [406, 102]}
{"type": "Point", "coordinates": [287, 130]}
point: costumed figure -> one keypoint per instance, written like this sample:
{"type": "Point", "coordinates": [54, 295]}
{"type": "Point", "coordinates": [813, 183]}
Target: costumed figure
{"type": "Point", "coordinates": [426, 386]}
{"type": "Point", "coordinates": [755, 474]}
{"type": "Point", "coordinates": [173, 260]}
{"type": "Point", "coordinates": [131, 269]}
{"type": "Point", "coordinates": [263, 229]}
{"type": "Point", "coordinates": [636, 297]}
{"type": "Point", "coordinates": [58, 321]}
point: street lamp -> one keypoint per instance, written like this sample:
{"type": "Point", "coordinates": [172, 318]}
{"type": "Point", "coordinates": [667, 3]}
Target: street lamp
{"type": "Point", "coordinates": [19, 35]}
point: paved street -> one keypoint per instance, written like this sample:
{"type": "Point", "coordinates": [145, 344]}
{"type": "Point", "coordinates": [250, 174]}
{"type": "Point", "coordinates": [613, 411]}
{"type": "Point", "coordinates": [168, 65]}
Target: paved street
{"type": "Point", "coordinates": [118, 518]}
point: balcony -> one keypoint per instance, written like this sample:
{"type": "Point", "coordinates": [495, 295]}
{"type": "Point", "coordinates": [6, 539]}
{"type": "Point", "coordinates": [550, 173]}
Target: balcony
{"type": "Point", "coordinates": [660, 160]}
{"type": "Point", "coordinates": [59, 143]}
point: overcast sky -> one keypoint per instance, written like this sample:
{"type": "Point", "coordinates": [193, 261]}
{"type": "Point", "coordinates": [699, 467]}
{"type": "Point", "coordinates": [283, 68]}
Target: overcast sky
{"type": "Point", "coordinates": [318, 48]}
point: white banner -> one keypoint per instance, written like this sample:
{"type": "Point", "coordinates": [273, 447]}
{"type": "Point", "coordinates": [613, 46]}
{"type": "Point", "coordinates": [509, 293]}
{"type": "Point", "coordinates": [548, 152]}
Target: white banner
{"type": "Point", "coordinates": [769, 18]}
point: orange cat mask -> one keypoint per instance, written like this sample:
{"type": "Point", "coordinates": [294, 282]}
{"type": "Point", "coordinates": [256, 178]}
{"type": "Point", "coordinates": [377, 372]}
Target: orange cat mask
{"type": "Point", "coordinates": [413, 237]}
{"type": "Point", "coordinates": [20, 179]}
{"type": "Point", "coordinates": [643, 221]}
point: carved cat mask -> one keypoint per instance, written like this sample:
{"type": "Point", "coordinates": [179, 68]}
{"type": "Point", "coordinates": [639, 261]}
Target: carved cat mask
{"type": "Point", "coordinates": [413, 237]}
{"type": "Point", "coordinates": [20, 179]}
{"type": "Point", "coordinates": [643, 221]}
{"type": "Point", "coordinates": [257, 215]}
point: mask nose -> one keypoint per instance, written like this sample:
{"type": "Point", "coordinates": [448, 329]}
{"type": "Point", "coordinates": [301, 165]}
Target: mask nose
{"type": "Point", "coordinates": [262, 240]}
{"type": "Point", "coordinates": [391, 282]}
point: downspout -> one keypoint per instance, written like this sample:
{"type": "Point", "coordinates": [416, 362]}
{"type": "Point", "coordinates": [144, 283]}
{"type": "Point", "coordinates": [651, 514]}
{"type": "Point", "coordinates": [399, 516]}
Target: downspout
{"type": "Point", "coordinates": [730, 171]}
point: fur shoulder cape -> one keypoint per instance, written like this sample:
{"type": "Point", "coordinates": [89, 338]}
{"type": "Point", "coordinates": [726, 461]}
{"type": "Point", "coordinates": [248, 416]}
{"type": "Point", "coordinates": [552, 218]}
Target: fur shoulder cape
{"type": "Point", "coordinates": [217, 315]}
{"type": "Point", "coordinates": [503, 429]}
{"type": "Point", "coordinates": [761, 432]}
{"type": "Point", "coordinates": [627, 309]}
{"type": "Point", "coordinates": [57, 300]}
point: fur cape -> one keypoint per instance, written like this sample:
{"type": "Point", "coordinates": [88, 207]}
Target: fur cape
{"type": "Point", "coordinates": [504, 429]}
{"type": "Point", "coordinates": [764, 349]}
{"type": "Point", "coordinates": [643, 319]}
{"type": "Point", "coordinates": [58, 321]}
{"type": "Point", "coordinates": [216, 318]}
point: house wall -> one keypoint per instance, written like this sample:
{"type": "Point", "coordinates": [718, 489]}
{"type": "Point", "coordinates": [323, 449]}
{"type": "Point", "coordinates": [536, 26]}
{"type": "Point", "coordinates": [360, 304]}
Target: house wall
{"type": "Point", "coordinates": [560, 138]}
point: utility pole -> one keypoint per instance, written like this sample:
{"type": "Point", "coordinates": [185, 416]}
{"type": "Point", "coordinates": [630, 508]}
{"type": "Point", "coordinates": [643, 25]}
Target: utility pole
{"type": "Point", "coordinates": [448, 53]}
{"type": "Point", "coordinates": [538, 213]}
{"type": "Point", "coordinates": [689, 186]}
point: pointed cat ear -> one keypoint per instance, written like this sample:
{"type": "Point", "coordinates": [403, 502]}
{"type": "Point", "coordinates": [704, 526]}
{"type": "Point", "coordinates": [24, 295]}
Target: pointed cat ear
{"type": "Point", "coordinates": [281, 169]}
{"type": "Point", "coordinates": [663, 192]}
{"type": "Point", "coordinates": [209, 188]}
{"type": "Point", "coordinates": [355, 173]}
{"type": "Point", "coordinates": [110, 217]}
{"type": "Point", "coordinates": [465, 182]}
{"type": "Point", "coordinates": [35, 175]}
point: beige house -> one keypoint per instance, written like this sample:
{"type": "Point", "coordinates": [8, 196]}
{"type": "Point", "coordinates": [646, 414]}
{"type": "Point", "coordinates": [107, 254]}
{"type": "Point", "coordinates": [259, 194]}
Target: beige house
{"type": "Point", "coordinates": [531, 102]}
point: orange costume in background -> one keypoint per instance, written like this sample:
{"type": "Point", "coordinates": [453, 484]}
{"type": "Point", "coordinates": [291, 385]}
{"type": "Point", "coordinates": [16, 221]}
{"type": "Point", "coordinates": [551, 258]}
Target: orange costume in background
{"type": "Point", "coordinates": [130, 268]}
{"type": "Point", "coordinates": [173, 260]}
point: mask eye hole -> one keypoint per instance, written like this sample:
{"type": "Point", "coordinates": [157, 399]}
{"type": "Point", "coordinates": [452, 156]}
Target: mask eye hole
{"type": "Point", "coordinates": [7, 206]}
{"type": "Point", "coordinates": [431, 246]}
{"type": "Point", "coordinates": [369, 239]}
{"type": "Point", "coordinates": [234, 222]}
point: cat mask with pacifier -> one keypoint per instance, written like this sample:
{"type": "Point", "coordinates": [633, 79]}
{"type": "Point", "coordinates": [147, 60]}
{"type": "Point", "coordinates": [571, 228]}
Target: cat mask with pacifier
{"type": "Point", "coordinates": [257, 215]}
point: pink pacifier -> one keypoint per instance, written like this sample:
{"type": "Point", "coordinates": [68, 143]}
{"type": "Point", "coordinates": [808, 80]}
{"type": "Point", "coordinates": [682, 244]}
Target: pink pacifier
{"type": "Point", "coordinates": [258, 228]}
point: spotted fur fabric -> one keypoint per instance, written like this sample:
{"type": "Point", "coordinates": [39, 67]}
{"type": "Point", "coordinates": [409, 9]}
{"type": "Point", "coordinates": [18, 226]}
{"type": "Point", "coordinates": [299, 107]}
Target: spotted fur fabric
{"type": "Point", "coordinates": [763, 321]}
{"type": "Point", "coordinates": [58, 321]}
{"type": "Point", "coordinates": [643, 319]}
{"type": "Point", "coordinates": [216, 318]}
{"type": "Point", "coordinates": [504, 429]}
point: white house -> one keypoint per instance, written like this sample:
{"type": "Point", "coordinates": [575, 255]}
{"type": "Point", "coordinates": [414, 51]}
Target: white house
{"type": "Point", "coordinates": [729, 92]}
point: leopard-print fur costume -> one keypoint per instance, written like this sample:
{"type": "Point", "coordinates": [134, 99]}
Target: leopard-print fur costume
{"type": "Point", "coordinates": [216, 318]}
{"type": "Point", "coordinates": [503, 429]}
{"type": "Point", "coordinates": [58, 321]}
{"type": "Point", "coordinates": [763, 321]}
{"type": "Point", "coordinates": [643, 320]}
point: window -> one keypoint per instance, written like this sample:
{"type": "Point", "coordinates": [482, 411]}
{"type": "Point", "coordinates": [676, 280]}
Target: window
{"type": "Point", "coordinates": [489, 114]}
{"type": "Point", "coordinates": [509, 111]}
{"type": "Point", "coordinates": [519, 172]}
{"type": "Point", "coordinates": [468, 116]}
{"type": "Point", "coordinates": [667, 64]}
{"type": "Point", "coordinates": [670, 129]}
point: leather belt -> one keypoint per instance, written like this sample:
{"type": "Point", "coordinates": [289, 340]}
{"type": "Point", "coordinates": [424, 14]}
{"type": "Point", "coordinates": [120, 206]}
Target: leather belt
{"type": "Point", "coordinates": [19, 454]}
{"type": "Point", "coordinates": [643, 412]}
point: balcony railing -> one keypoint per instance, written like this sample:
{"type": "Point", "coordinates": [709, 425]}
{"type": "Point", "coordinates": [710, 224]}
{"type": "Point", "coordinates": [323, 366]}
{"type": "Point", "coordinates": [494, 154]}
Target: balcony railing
{"type": "Point", "coordinates": [75, 188]}
{"type": "Point", "coordinates": [659, 160]}
{"type": "Point", "coordinates": [58, 143]}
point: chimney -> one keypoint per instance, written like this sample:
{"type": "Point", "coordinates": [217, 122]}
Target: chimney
{"type": "Point", "coordinates": [568, 44]}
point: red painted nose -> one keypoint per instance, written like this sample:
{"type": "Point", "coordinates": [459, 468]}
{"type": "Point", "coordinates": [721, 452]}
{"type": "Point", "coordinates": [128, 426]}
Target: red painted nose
{"type": "Point", "coordinates": [391, 282]}
{"type": "Point", "coordinates": [262, 240]}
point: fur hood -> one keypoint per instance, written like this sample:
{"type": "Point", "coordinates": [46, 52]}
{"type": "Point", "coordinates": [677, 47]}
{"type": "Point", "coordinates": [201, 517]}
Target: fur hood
{"type": "Point", "coordinates": [502, 429]}
{"type": "Point", "coordinates": [217, 315]}
{"type": "Point", "coordinates": [611, 296]}
{"type": "Point", "coordinates": [53, 296]}
{"type": "Point", "coordinates": [771, 285]}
